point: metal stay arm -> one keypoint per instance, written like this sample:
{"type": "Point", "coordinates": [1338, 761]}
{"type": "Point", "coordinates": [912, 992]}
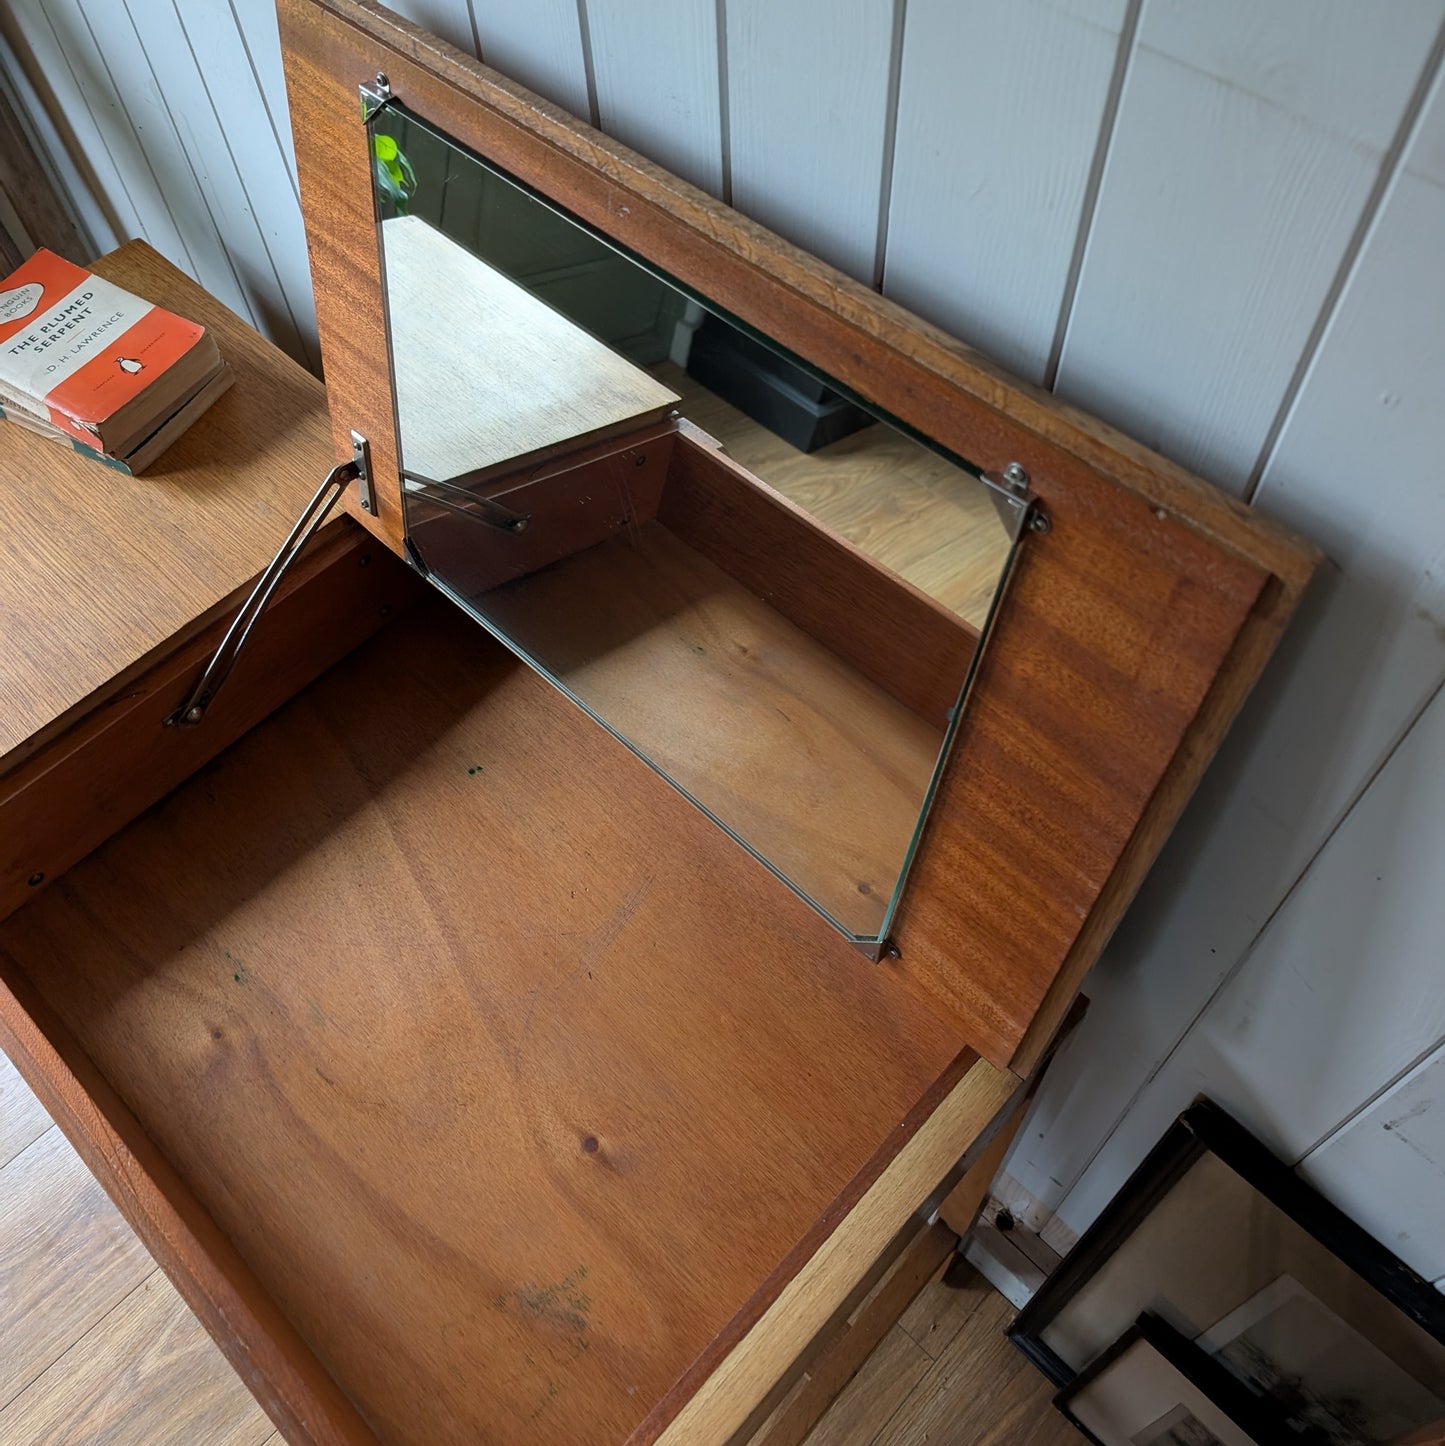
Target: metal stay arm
{"type": "Point", "coordinates": [471, 505]}
{"type": "Point", "coordinates": [193, 710]}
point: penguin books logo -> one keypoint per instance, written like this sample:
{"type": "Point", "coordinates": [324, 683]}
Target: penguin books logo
{"type": "Point", "coordinates": [129, 364]}
{"type": "Point", "coordinates": [19, 302]}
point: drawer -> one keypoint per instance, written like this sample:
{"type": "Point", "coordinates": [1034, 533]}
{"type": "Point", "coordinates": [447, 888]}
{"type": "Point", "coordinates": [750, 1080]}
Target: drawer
{"type": "Point", "coordinates": [439, 1167]}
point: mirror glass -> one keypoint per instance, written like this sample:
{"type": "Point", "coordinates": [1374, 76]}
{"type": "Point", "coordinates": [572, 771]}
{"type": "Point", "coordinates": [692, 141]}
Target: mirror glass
{"type": "Point", "coordinates": [751, 577]}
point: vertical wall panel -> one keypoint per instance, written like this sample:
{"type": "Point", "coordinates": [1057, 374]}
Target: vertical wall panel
{"type": "Point", "coordinates": [656, 68]}
{"type": "Point", "coordinates": [999, 109]}
{"type": "Point", "coordinates": [1244, 152]}
{"type": "Point", "coordinates": [122, 89]}
{"type": "Point", "coordinates": [1386, 1167]}
{"type": "Point", "coordinates": [1341, 996]}
{"type": "Point", "coordinates": [449, 20]}
{"type": "Point", "coordinates": [538, 43]}
{"type": "Point", "coordinates": [1357, 467]}
{"type": "Point", "coordinates": [808, 90]}
{"type": "Point", "coordinates": [212, 96]}
{"type": "Point", "coordinates": [255, 20]}
{"type": "Point", "coordinates": [64, 85]}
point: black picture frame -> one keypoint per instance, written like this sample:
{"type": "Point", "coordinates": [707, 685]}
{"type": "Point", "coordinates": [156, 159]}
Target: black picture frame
{"type": "Point", "coordinates": [1245, 1411]}
{"type": "Point", "coordinates": [1206, 1129]}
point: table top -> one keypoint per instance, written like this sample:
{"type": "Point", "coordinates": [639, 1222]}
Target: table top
{"type": "Point", "coordinates": [100, 569]}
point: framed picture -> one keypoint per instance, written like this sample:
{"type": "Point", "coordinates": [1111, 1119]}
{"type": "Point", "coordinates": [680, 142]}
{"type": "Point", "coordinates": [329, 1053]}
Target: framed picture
{"type": "Point", "coordinates": [1260, 1274]}
{"type": "Point", "coordinates": [1152, 1387]}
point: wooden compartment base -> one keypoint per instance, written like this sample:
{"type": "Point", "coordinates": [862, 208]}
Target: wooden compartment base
{"type": "Point", "coordinates": [484, 1065]}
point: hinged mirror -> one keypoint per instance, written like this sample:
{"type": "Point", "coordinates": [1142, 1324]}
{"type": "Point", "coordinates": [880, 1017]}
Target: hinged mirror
{"type": "Point", "coordinates": [689, 529]}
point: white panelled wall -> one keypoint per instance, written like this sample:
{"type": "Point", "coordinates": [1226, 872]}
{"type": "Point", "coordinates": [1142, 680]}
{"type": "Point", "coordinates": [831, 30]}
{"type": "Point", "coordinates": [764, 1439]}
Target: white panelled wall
{"type": "Point", "coordinates": [1221, 226]}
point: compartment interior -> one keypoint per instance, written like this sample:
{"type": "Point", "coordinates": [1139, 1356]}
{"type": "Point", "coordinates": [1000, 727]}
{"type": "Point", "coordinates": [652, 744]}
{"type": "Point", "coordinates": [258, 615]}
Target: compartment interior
{"type": "Point", "coordinates": [520, 1087]}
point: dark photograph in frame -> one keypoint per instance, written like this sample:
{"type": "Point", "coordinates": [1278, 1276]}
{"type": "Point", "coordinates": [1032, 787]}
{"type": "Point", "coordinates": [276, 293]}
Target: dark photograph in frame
{"type": "Point", "coordinates": [1154, 1388]}
{"type": "Point", "coordinates": [1263, 1276]}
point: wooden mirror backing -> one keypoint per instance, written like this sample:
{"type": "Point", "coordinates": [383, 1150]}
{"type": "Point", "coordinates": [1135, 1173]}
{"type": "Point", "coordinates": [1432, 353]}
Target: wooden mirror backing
{"type": "Point", "coordinates": [1128, 638]}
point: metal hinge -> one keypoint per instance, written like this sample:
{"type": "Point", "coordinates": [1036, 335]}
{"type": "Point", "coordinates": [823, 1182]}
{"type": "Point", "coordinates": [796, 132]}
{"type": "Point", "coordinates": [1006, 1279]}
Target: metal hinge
{"type": "Point", "coordinates": [358, 469]}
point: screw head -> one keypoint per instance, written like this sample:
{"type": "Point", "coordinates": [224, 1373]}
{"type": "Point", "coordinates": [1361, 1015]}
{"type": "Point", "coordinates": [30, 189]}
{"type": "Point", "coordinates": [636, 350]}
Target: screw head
{"type": "Point", "coordinates": [194, 715]}
{"type": "Point", "coordinates": [382, 83]}
{"type": "Point", "coordinates": [35, 880]}
{"type": "Point", "coordinates": [1016, 475]}
{"type": "Point", "coordinates": [1039, 521]}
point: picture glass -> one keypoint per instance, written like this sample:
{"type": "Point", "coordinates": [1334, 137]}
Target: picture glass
{"type": "Point", "coordinates": [1226, 1267]}
{"type": "Point", "coordinates": [766, 588]}
{"type": "Point", "coordinates": [1141, 1398]}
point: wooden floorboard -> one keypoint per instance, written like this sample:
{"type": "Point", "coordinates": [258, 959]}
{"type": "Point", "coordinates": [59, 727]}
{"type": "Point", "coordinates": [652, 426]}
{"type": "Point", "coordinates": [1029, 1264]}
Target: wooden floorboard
{"type": "Point", "coordinates": [148, 1374]}
{"type": "Point", "coordinates": [979, 1391]}
{"type": "Point", "coordinates": [870, 1399]}
{"type": "Point", "coordinates": [939, 1312]}
{"type": "Point", "coordinates": [96, 1347]}
{"type": "Point", "coordinates": [22, 1120]}
{"type": "Point", "coordinates": [66, 1259]}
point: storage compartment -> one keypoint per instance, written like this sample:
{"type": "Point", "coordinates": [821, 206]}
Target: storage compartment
{"type": "Point", "coordinates": [518, 1087]}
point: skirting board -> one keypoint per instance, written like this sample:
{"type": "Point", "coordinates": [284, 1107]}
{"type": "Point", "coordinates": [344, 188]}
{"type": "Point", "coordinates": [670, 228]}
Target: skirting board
{"type": "Point", "coordinates": [1018, 1259]}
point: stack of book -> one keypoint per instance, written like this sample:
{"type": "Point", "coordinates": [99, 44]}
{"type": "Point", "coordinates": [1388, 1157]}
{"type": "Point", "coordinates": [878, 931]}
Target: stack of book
{"type": "Point", "coordinates": [100, 370]}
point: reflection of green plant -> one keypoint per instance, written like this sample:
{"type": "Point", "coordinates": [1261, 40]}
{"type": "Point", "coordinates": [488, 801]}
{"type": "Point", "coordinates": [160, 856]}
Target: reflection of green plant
{"type": "Point", "coordinates": [395, 179]}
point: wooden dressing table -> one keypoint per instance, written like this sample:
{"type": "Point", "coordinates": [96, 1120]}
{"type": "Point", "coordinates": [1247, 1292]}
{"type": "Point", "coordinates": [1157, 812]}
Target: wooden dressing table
{"type": "Point", "coordinates": [479, 1065]}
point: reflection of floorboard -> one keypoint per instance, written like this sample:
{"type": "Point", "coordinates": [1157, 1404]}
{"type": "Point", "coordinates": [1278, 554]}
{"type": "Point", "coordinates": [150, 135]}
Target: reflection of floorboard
{"type": "Point", "coordinates": [900, 503]}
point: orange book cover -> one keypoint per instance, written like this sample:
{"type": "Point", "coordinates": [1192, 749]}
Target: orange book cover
{"type": "Point", "coordinates": [79, 347]}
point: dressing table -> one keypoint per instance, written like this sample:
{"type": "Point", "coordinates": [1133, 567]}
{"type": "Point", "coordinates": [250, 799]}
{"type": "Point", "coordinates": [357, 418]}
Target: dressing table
{"type": "Point", "coordinates": [619, 881]}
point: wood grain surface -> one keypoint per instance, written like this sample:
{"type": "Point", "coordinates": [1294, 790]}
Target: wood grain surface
{"type": "Point", "coordinates": [1152, 600]}
{"type": "Point", "coordinates": [1115, 626]}
{"type": "Point", "coordinates": [607, 1038]}
{"type": "Point", "coordinates": [723, 1404]}
{"type": "Point", "coordinates": [816, 768]}
{"type": "Point", "coordinates": [22, 1117]}
{"type": "Point", "coordinates": [894, 635]}
{"type": "Point", "coordinates": [851, 1343]}
{"type": "Point", "coordinates": [979, 1384]}
{"type": "Point", "coordinates": [570, 503]}
{"type": "Point", "coordinates": [109, 766]}
{"type": "Point", "coordinates": [259, 1342]}
{"type": "Point", "coordinates": [100, 568]}
{"type": "Point", "coordinates": [485, 372]}
{"type": "Point", "coordinates": [147, 1373]}
{"type": "Point", "coordinates": [906, 507]}
{"type": "Point", "coordinates": [64, 1263]}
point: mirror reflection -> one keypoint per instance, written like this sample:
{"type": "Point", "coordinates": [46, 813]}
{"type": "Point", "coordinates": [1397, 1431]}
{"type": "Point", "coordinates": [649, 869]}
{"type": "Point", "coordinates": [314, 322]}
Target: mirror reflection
{"type": "Point", "coordinates": [769, 592]}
